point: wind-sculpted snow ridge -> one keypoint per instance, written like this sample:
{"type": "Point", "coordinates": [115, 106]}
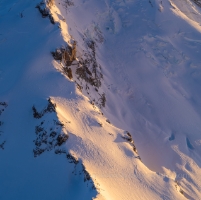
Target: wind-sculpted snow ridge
{"type": "Point", "coordinates": [124, 125]}
{"type": "Point", "coordinates": [149, 56]}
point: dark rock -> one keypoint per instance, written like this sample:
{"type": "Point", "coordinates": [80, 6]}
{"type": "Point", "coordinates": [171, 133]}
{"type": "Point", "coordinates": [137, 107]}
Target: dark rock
{"type": "Point", "coordinates": [61, 139]}
{"type": "Point", "coordinates": [53, 134]}
{"type": "Point", "coordinates": [87, 176]}
{"type": "Point", "coordinates": [108, 121]}
{"type": "Point", "coordinates": [129, 138]}
{"type": "Point", "coordinates": [68, 72]}
{"type": "Point", "coordinates": [60, 151]}
{"type": "Point", "coordinates": [50, 108]}
{"type": "Point", "coordinates": [72, 159]}
{"type": "Point", "coordinates": [2, 145]}
{"type": "Point", "coordinates": [38, 151]}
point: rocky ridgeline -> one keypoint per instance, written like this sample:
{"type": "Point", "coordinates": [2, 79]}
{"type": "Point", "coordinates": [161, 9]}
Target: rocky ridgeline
{"type": "Point", "coordinates": [44, 9]}
{"type": "Point", "coordinates": [88, 71]}
{"type": "Point", "coordinates": [49, 134]}
{"type": "Point", "coordinates": [79, 168]}
{"type": "Point", "coordinates": [89, 74]}
{"type": "Point", "coordinates": [58, 56]}
{"type": "Point", "coordinates": [45, 5]}
{"type": "Point", "coordinates": [3, 106]}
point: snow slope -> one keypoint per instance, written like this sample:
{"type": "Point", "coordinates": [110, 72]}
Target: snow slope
{"type": "Point", "coordinates": [149, 57]}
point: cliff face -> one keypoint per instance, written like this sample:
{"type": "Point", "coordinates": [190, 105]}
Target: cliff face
{"type": "Point", "coordinates": [121, 121]}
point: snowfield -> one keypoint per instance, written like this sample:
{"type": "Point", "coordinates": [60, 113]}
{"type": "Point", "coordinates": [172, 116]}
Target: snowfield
{"type": "Point", "coordinates": [127, 126]}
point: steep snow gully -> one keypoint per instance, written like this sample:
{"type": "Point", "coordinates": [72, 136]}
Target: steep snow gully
{"type": "Point", "coordinates": [100, 99]}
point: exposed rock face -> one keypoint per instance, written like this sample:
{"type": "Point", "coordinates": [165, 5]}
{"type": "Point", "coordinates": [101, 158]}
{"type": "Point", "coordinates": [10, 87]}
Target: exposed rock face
{"type": "Point", "coordinates": [49, 133]}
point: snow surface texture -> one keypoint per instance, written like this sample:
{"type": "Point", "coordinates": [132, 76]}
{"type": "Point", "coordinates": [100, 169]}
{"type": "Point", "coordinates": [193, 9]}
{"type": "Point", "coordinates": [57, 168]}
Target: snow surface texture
{"type": "Point", "coordinates": [126, 126]}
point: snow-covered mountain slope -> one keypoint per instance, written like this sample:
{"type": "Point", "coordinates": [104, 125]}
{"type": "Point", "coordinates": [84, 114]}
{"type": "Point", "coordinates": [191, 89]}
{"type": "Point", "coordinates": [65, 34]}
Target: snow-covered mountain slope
{"type": "Point", "coordinates": [126, 126]}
